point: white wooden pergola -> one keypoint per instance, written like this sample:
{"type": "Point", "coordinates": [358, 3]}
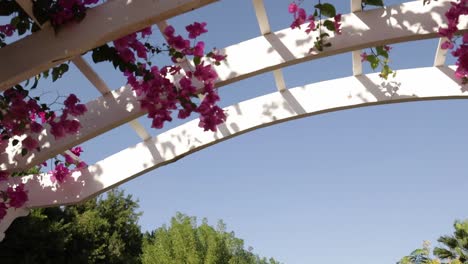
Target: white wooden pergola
{"type": "Point", "coordinates": [271, 51]}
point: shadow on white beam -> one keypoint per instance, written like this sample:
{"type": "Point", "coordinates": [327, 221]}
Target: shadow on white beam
{"type": "Point", "coordinates": [44, 49]}
{"type": "Point", "coordinates": [394, 24]}
{"type": "Point", "coordinates": [433, 83]}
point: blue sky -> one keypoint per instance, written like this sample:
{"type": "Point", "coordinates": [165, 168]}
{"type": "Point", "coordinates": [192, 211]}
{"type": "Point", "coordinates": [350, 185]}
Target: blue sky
{"type": "Point", "coordinates": [363, 186]}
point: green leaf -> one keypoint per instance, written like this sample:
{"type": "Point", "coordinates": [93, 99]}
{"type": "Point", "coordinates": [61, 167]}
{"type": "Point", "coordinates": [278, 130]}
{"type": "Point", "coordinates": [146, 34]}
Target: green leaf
{"type": "Point", "coordinates": [382, 52]}
{"type": "Point", "coordinates": [15, 142]}
{"type": "Point", "coordinates": [15, 21]}
{"type": "Point", "coordinates": [373, 60]}
{"type": "Point", "coordinates": [324, 35]}
{"type": "Point", "coordinates": [326, 9]}
{"type": "Point", "coordinates": [196, 60]}
{"type": "Point", "coordinates": [36, 81]}
{"type": "Point", "coordinates": [384, 74]}
{"type": "Point", "coordinates": [45, 74]}
{"type": "Point", "coordinates": [329, 25]}
{"type": "Point", "coordinates": [59, 71]}
{"type": "Point", "coordinates": [41, 9]}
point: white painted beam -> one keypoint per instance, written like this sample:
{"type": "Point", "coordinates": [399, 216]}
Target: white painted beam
{"type": "Point", "coordinates": [440, 54]}
{"type": "Point", "coordinates": [262, 17]}
{"type": "Point", "coordinates": [111, 20]}
{"type": "Point", "coordinates": [432, 83]}
{"type": "Point", "coordinates": [265, 29]}
{"type": "Point", "coordinates": [279, 80]}
{"type": "Point", "coordinates": [360, 30]}
{"type": "Point", "coordinates": [256, 56]}
{"type": "Point", "coordinates": [356, 6]}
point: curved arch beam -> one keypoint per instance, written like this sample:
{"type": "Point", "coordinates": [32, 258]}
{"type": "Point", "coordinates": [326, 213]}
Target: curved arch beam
{"type": "Point", "coordinates": [434, 83]}
{"type": "Point", "coordinates": [420, 84]}
{"type": "Point", "coordinates": [408, 21]}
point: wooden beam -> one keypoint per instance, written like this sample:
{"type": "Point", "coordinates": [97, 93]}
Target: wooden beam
{"type": "Point", "coordinates": [356, 6]}
{"type": "Point", "coordinates": [111, 20]}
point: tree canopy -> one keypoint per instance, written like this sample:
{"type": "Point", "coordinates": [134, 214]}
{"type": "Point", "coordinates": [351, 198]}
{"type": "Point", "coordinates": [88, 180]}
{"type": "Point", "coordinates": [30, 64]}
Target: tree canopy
{"type": "Point", "coordinates": [184, 241]}
{"type": "Point", "coordinates": [453, 249]}
{"type": "Point", "coordinates": [106, 230]}
{"type": "Point", "coordinates": [101, 230]}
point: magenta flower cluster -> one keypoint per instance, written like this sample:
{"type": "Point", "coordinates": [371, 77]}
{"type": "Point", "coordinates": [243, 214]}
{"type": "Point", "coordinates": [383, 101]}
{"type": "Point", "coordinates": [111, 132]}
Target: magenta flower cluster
{"type": "Point", "coordinates": [456, 10]}
{"type": "Point", "coordinates": [21, 115]}
{"type": "Point", "coordinates": [301, 17]}
{"type": "Point", "coordinates": [14, 197]}
{"type": "Point", "coordinates": [158, 93]}
{"type": "Point", "coordinates": [62, 171]}
{"type": "Point", "coordinates": [7, 29]}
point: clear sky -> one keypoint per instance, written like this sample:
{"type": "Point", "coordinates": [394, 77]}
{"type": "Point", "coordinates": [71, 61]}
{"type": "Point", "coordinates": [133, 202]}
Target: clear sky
{"type": "Point", "coordinates": [363, 186]}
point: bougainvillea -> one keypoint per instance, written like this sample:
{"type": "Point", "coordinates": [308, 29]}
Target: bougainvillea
{"type": "Point", "coordinates": [181, 89]}
{"type": "Point", "coordinates": [326, 17]}
{"type": "Point", "coordinates": [158, 94]}
{"type": "Point", "coordinates": [316, 21]}
{"type": "Point", "coordinates": [24, 117]}
{"type": "Point", "coordinates": [459, 46]}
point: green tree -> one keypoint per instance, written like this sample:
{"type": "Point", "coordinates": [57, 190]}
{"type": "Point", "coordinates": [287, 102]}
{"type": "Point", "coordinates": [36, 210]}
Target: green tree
{"type": "Point", "coordinates": [419, 256]}
{"type": "Point", "coordinates": [101, 230]}
{"type": "Point", "coordinates": [455, 247]}
{"type": "Point", "coordinates": [186, 242]}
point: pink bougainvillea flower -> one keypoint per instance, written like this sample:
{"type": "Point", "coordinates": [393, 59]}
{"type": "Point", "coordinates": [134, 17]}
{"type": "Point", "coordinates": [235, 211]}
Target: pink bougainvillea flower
{"type": "Point", "coordinates": [292, 8]}
{"type": "Point", "coordinates": [196, 29]}
{"type": "Point", "coordinates": [140, 49]}
{"type": "Point", "coordinates": [35, 127]}
{"type": "Point", "coordinates": [299, 18]}
{"type": "Point", "coordinates": [7, 29]}
{"type": "Point", "coordinates": [169, 31]}
{"type": "Point", "coordinates": [311, 26]}
{"type": "Point", "coordinates": [146, 32]}
{"type": "Point", "coordinates": [73, 107]}
{"type": "Point", "coordinates": [69, 159]}
{"type": "Point", "coordinates": [336, 21]}
{"type": "Point", "coordinates": [17, 196]}
{"type": "Point", "coordinates": [179, 43]}
{"type": "Point", "coordinates": [363, 56]}
{"type": "Point", "coordinates": [71, 126]}
{"type": "Point", "coordinates": [127, 55]}
{"type": "Point", "coordinates": [81, 165]}
{"type": "Point", "coordinates": [30, 143]}
{"type": "Point", "coordinates": [77, 151]}
{"type": "Point", "coordinates": [60, 173]}
{"type": "Point", "coordinates": [447, 45]}
{"type": "Point", "coordinates": [199, 49]}
{"type": "Point", "coordinates": [57, 129]}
